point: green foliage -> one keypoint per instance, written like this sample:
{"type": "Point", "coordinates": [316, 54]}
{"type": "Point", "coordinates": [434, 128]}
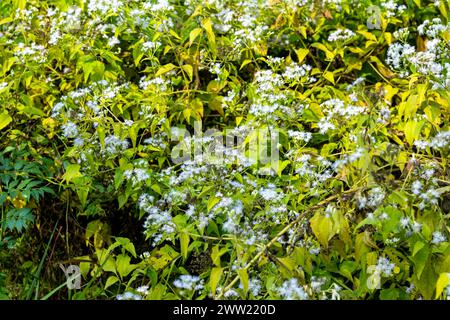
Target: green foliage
{"type": "Point", "coordinates": [102, 103]}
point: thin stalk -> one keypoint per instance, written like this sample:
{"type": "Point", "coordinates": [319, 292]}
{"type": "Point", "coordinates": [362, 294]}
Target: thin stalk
{"type": "Point", "coordinates": [279, 234]}
{"type": "Point", "coordinates": [41, 265]}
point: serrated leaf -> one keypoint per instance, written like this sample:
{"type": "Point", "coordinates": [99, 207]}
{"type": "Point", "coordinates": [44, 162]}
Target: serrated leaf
{"type": "Point", "coordinates": [123, 265]}
{"type": "Point", "coordinates": [72, 171]}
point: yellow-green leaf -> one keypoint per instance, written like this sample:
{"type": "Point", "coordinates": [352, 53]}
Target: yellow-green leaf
{"type": "Point", "coordinates": [301, 54]}
{"type": "Point", "coordinates": [194, 34]}
{"type": "Point", "coordinates": [329, 76]}
{"type": "Point", "coordinates": [184, 244]}
{"type": "Point", "coordinates": [207, 25]}
{"type": "Point", "coordinates": [214, 278]}
{"type": "Point", "coordinates": [164, 69]}
{"type": "Point", "coordinates": [72, 171]}
{"type": "Point", "coordinates": [442, 282]}
{"type": "Point", "coordinates": [412, 130]}
{"type": "Point", "coordinates": [243, 275]}
{"type": "Point", "coordinates": [189, 70]}
{"type": "Point", "coordinates": [245, 62]}
{"type": "Point", "coordinates": [322, 228]}
{"type": "Point", "coordinates": [5, 119]}
{"type": "Point", "coordinates": [110, 281]}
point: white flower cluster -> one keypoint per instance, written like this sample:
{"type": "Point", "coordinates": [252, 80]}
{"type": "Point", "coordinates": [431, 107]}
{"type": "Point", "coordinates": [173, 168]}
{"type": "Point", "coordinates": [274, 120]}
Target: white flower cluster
{"type": "Point", "coordinates": [189, 282]}
{"type": "Point", "coordinates": [151, 45]}
{"type": "Point", "coordinates": [32, 52]}
{"type": "Point", "coordinates": [254, 286]}
{"type": "Point", "coordinates": [438, 237]}
{"type": "Point", "coordinates": [336, 110]}
{"type": "Point", "coordinates": [316, 171]}
{"type": "Point", "coordinates": [393, 8]}
{"type": "Point", "coordinates": [157, 6]}
{"type": "Point", "coordinates": [432, 28]}
{"type": "Point", "coordinates": [142, 291]}
{"type": "Point", "coordinates": [115, 145]}
{"type": "Point", "coordinates": [70, 130]}
{"type": "Point", "coordinates": [273, 97]}
{"type": "Point", "coordinates": [291, 290]}
{"type": "Point", "coordinates": [433, 61]}
{"type": "Point", "coordinates": [411, 227]}
{"type": "Point", "coordinates": [128, 296]}
{"type": "Point", "coordinates": [384, 267]}
{"type": "Point", "coordinates": [341, 35]}
{"type": "Point", "coordinates": [440, 141]}
{"type": "Point", "coordinates": [296, 71]}
{"type": "Point", "coordinates": [300, 135]}
{"type": "Point", "coordinates": [374, 198]}
{"type": "Point", "coordinates": [137, 175]}
{"type": "Point", "coordinates": [159, 83]}
{"type": "Point", "coordinates": [104, 6]}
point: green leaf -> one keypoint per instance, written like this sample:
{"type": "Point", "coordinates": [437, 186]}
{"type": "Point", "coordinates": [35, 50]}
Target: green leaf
{"type": "Point", "coordinates": [5, 119]}
{"type": "Point", "coordinates": [368, 35]}
{"type": "Point", "coordinates": [82, 192]}
{"type": "Point", "coordinates": [127, 245]}
{"type": "Point", "coordinates": [164, 69]}
{"type": "Point", "coordinates": [72, 171]}
{"type": "Point", "coordinates": [329, 55]}
{"type": "Point", "coordinates": [417, 247]}
{"type": "Point", "coordinates": [189, 70]}
{"type": "Point", "coordinates": [390, 294]}
{"type": "Point", "coordinates": [426, 284]}
{"type": "Point", "coordinates": [211, 203]}
{"type": "Point", "coordinates": [243, 275]}
{"type": "Point", "coordinates": [194, 34]}
{"type": "Point", "coordinates": [110, 281]}
{"type": "Point", "coordinates": [123, 265]}
{"type": "Point", "coordinates": [420, 260]}
{"type": "Point", "coordinates": [18, 219]}
{"type": "Point", "coordinates": [184, 244]}
{"type": "Point", "coordinates": [412, 130]}
{"type": "Point", "coordinates": [347, 268]}
{"type": "Point", "coordinates": [207, 25]}
{"type": "Point", "coordinates": [162, 257]}
{"type": "Point", "coordinates": [214, 278]}
{"type": "Point", "coordinates": [301, 54]}
{"type": "Point", "coordinates": [442, 282]}
{"type": "Point", "coordinates": [322, 228]}
{"type": "Point", "coordinates": [329, 76]}
{"type": "Point", "coordinates": [245, 62]}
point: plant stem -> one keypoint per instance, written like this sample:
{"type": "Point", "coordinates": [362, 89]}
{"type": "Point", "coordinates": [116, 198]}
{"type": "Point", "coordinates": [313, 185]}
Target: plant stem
{"type": "Point", "coordinates": [279, 234]}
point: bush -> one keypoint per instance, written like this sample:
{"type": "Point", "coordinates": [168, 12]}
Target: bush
{"type": "Point", "coordinates": [225, 149]}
